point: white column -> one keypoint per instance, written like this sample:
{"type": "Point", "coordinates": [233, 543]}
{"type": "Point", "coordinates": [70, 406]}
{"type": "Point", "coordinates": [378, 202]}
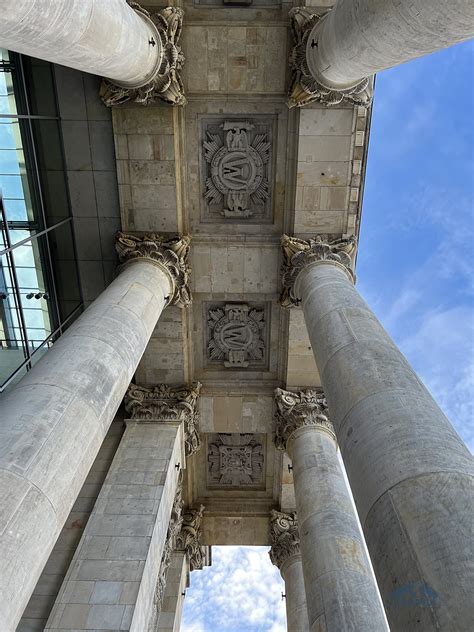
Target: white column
{"type": "Point", "coordinates": [358, 38]}
{"type": "Point", "coordinates": [104, 37]}
{"type": "Point", "coordinates": [410, 473]}
{"type": "Point", "coordinates": [335, 54]}
{"type": "Point", "coordinates": [341, 593]}
{"type": "Point", "coordinates": [285, 553]}
{"type": "Point", "coordinates": [110, 582]}
{"type": "Point", "coordinates": [55, 419]}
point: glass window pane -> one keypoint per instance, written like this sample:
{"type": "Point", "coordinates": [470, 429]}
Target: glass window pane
{"type": "Point", "coordinates": [12, 345]}
{"type": "Point", "coordinates": [65, 269]}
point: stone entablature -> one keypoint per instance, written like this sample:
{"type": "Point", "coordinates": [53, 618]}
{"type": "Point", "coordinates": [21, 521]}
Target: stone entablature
{"type": "Point", "coordinates": [298, 410]}
{"type": "Point", "coordinates": [304, 86]}
{"type": "Point", "coordinates": [284, 537]}
{"type": "Point", "coordinates": [298, 253]}
{"type": "Point", "coordinates": [236, 460]}
{"type": "Point", "coordinates": [170, 253]}
{"type": "Point", "coordinates": [164, 403]}
{"type": "Point", "coordinates": [166, 84]}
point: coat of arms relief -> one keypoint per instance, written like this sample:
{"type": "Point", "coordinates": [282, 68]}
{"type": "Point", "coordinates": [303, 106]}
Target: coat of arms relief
{"type": "Point", "coordinates": [237, 155]}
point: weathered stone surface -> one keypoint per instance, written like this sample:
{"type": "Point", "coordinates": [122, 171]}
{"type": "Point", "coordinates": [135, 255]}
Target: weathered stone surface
{"type": "Point", "coordinates": [409, 471]}
{"type": "Point", "coordinates": [235, 460]}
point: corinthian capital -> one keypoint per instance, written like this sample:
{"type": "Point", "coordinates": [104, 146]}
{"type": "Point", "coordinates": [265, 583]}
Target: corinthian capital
{"type": "Point", "coordinates": [284, 537]}
{"type": "Point", "coordinates": [165, 83]}
{"type": "Point", "coordinates": [189, 538]}
{"type": "Point", "coordinates": [304, 86]}
{"type": "Point", "coordinates": [298, 253]}
{"type": "Point", "coordinates": [296, 410]}
{"type": "Point", "coordinates": [171, 254]}
{"type": "Point", "coordinates": [167, 403]}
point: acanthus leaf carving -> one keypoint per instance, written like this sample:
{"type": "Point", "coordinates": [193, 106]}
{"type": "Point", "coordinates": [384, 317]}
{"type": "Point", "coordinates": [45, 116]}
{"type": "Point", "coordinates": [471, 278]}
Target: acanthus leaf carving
{"type": "Point", "coordinates": [171, 253]}
{"type": "Point", "coordinates": [304, 87]}
{"type": "Point", "coordinates": [298, 253]}
{"type": "Point", "coordinates": [167, 403]}
{"type": "Point", "coordinates": [166, 85]}
{"type": "Point", "coordinates": [296, 410]}
{"type": "Point", "coordinates": [188, 539]}
{"type": "Point", "coordinates": [284, 537]}
{"type": "Point", "coordinates": [174, 527]}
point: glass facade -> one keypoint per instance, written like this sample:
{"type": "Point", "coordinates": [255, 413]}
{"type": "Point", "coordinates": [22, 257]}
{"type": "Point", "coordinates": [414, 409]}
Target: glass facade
{"type": "Point", "coordinates": [39, 285]}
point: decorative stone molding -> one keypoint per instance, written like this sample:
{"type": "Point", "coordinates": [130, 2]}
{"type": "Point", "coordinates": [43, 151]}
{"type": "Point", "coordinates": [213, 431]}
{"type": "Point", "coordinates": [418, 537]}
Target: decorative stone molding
{"type": "Point", "coordinates": [236, 335]}
{"type": "Point", "coordinates": [174, 527]}
{"type": "Point", "coordinates": [237, 156]}
{"type": "Point", "coordinates": [297, 410]}
{"type": "Point", "coordinates": [167, 403]}
{"type": "Point", "coordinates": [166, 84]}
{"type": "Point", "coordinates": [188, 539]}
{"type": "Point", "coordinates": [298, 253]}
{"type": "Point", "coordinates": [236, 460]}
{"type": "Point", "coordinates": [284, 537]}
{"type": "Point", "coordinates": [171, 253]}
{"type": "Point", "coordinates": [304, 87]}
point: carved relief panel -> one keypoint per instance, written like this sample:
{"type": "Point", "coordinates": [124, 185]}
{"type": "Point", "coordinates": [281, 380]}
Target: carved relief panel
{"type": "Point", "coordinates": [236, 335]}
{"type": "Point", "coordinates": [236, 460]}
{"type": "Point", "coordinates": [236, 166]}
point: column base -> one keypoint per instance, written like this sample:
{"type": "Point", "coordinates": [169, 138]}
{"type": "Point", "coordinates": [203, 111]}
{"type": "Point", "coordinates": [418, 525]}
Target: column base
{"type": "Point", "coordinates": [166, 85]}
{"type": "Point", "coordinates": [304, 87]}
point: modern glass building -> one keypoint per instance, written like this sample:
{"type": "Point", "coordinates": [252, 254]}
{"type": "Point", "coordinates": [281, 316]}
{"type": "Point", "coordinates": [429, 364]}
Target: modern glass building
{"type": "Point", "coordinates": [39, 287]}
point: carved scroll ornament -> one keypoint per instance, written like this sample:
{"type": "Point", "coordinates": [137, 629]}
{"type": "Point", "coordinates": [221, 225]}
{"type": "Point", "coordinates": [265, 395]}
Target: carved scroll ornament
{"type": "Point", "coordinates": [167, 403]}
{"type": "Point", "coordinates": [304, 87]}
{"type": "Point", "coordinates": [297, 410]}
{"type": "Point", "coordinates": [166, 84]}
{"type": "Point", "coordinates": [298, 253]}
{"type": "Point", "coordinates": [171, 253]}
{"type": "Point", "coordinates": [188, 539]}
{"type": "Point", "coordinates": [284, 537]}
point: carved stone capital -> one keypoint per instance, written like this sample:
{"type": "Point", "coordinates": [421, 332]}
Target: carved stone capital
{"type": "Point", "coordinates": [298, 253]}
{"type": "Point", "coordinates": [165, 84]}
{"type": "Point", "coordinates": [174, 527]}
{"type": "Point", "coordinates": [189, 537]}
{"type": "Point", "coordinates": [170, 253]}
{"type": "Point", "coordinates": [167, 403]}
{"type": "Point", "coordinates": [304, 86]}
{"type": "Point", "coordinates": [298, 410]}
{"type": "Point", "coordinates": [284, 537]}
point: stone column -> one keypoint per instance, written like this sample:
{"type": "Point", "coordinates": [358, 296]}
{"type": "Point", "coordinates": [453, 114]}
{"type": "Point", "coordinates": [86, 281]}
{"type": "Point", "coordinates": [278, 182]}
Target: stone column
{"type": "Point", "coordinates": [137, 51]}
{"type": "Point", "coordinates": [338, 51]}
{"type": "Point", "coordinates": [410, 473]}
{"type": "Point", "coordinates": [55, 419]}
{"type": "Point", "coordinates": [177, 580]}
{"type": "Point", "coordinates": [341, 593]}
{"type": "Point", "coordinates": [285, 553]}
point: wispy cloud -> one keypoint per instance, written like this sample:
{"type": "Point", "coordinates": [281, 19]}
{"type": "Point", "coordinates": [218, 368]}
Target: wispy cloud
{"type": "Point", "coordinates": [240, 592]}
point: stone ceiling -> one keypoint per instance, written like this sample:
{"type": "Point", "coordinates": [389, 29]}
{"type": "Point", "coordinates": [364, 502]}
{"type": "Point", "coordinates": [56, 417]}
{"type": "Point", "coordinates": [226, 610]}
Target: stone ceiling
{"type": "Point", "coordinates": [235, 168]}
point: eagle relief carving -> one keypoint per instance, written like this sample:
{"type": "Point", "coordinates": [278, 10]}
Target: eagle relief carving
{"type": "Point", "coordinates": [237, 160]}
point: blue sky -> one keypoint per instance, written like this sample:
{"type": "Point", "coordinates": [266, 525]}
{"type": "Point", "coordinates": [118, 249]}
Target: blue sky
{"type": "Point", "coordinates": [415, 269]}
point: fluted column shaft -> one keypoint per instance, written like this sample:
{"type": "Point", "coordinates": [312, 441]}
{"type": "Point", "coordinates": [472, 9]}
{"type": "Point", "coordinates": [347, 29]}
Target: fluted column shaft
{"type": "Point", "coordinates": [55, 419]}
{"type": "Point", "coordinates": [410, 473]}
{"type": "Point", "coordinates": [358, 38]}
{"type": "Point", "coordinates": [341, 593]}
{"type": "Point", "coordinates": [104, 37]}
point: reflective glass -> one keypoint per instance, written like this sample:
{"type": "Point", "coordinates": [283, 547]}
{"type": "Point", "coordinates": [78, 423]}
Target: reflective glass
{"type": "Point", "coordinates": [65, 270]}
{"type": "Point", "coordinates": [13, 350]}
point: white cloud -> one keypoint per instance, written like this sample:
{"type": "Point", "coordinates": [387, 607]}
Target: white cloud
{"type": "Point", "coordinates": [241, 591]}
